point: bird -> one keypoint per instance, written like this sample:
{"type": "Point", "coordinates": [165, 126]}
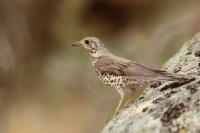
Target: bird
{"type": "Point", "coordinates": [120, 73]}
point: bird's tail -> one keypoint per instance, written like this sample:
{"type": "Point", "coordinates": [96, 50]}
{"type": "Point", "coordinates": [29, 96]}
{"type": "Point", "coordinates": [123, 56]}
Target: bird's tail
{"type": "Point", "coordinates": [173, 77]}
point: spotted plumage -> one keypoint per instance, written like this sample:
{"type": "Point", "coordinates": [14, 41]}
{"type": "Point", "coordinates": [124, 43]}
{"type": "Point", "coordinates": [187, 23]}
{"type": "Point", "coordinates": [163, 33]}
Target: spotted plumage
{"type": "Point", "coordinates": [120, 73]}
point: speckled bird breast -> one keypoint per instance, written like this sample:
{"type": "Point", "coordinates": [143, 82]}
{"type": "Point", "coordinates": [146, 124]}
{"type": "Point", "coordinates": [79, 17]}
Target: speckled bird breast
{"type": "Point", "coordinates": [113, 81]}
{"type": "Point", "coordinates": [120, 82]}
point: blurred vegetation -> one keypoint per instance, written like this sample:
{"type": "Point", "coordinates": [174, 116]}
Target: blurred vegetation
{"type": "Point", "coordinates": [46, 86]}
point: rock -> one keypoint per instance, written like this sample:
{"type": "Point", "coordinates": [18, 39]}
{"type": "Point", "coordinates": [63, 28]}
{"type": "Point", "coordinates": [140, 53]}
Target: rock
{"type": "Point", "coordinates": [167, 107]}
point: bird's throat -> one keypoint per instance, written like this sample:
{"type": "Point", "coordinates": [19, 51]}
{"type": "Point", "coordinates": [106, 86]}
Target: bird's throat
{"type": "Point", "coordinates": [95, 54]}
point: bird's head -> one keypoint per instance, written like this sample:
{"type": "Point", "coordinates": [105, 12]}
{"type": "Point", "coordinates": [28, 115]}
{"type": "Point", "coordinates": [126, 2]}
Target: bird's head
{"type": "Point", "coordinates": [93, 45]}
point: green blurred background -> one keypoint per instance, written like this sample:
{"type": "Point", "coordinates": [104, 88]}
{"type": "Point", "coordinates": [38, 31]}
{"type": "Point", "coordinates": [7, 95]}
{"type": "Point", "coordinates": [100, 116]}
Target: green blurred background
{"type": "Point", "coordinates": [46, 86]}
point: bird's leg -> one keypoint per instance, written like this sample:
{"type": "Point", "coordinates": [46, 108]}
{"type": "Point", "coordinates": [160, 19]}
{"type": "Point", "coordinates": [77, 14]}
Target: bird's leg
{"type": "Point", "coordinates": [118, 106]}
{"type": "Point", "coordinates": [130, 96]}
{"type": "Point", "coordinates": [121, 93]}
{"type": "Point", "coordinates": [129, 99]}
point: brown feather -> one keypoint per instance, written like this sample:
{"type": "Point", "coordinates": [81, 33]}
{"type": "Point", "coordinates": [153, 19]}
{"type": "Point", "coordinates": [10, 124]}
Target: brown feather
{"type": "Point", "coordinates": [118, 66]}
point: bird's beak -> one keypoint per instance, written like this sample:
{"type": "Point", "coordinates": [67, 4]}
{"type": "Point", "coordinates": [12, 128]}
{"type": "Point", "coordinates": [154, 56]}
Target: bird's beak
{"type": "Point", "coordinates": [77, 44]}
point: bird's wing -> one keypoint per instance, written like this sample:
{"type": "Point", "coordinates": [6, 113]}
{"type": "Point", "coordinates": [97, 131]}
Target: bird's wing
{"type": "Point", "coordinates": [123, 67]}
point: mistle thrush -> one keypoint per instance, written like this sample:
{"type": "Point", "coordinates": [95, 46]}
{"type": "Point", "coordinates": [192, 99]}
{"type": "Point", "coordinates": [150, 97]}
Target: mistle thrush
{"type": "Point", "coordinates": [120, 73]}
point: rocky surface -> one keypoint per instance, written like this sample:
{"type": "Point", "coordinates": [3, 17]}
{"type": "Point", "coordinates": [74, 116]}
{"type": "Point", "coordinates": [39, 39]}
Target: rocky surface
{"type": "Point", "coordinates": [168, 107]}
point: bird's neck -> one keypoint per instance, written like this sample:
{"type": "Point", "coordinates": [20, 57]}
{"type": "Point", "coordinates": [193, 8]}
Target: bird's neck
{"type": "Point", "coordinates": [94, 60]}
{"type": "Point", "coordinates": [95, 54]}
{"type": "Point", "coordinates": [99, 53]}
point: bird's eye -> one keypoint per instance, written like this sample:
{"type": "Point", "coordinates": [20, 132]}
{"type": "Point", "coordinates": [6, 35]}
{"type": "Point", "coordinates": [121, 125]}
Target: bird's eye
{"type": "Point", "coordinates": [87, 41]}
